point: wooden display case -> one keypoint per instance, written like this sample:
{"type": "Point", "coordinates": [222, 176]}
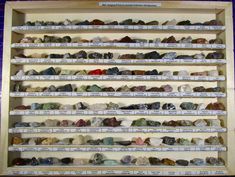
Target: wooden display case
{"type": "Point", "coordinates": [17, 13]}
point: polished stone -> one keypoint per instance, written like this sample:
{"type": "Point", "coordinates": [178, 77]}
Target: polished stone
{"type": "Point", "coordinates": [168, 140]}
{"type": "Point", "coordinates": [182, 162]}
{"type": "Point", "coordinates": [166, 161]}
{"type": "Point", "coordinates": [168, 106]}
{"type": "Point", "coordinates": [197, 162]}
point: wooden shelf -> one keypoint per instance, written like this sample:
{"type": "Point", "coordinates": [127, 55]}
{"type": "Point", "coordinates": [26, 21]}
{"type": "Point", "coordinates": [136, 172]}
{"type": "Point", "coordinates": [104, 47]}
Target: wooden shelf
{"type": "Point", "coordinates": [61, 61]}
{"type": "Point", "coordinates": [117, 112]}
{"type": "Point", "coordinates": [118, 45]}
{"type": "Point", "coordinates": [116, 78]}
{"type": "Point", "coordinates": [117, 28]}
{"type": "Point", "coordinates": [160, 129]}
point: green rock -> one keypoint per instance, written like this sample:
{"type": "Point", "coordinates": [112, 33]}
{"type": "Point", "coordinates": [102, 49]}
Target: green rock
{"type": "Point", "coordinates": [108, 141]}
{"type": "Point", "coordinates": [153, 123]}
{"type": "Point", "coordinates": [94, 88]}
{"type": "Point", "coordinates": [111, 162]}
{"type": "Point", "coordinates": [50, 106]}
{"type": "Point", "coordinates": [183, 141]}
{"type": "Point", "coordinates": [82, 88]}
{"type": "Point", "coordinates": [139, 122]}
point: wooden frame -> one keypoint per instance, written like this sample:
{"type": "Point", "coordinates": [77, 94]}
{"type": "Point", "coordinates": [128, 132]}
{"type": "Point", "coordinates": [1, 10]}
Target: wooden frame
{"type": "Point", "coordinates": [17, 13]}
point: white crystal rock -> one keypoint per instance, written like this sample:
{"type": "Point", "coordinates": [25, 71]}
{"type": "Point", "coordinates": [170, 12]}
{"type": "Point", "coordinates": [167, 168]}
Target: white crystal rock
{"type": "Point", "coordinates": [201, 106]}
{"type": "Point", "coordinates": [66, 107]}
{"type": "Point", "coordinates": [185, 88]}
{"type": "Point", "coordinates": [98, 107]}
{"type": "Point", "coordinates": [67, 22]}
{"type": "Point", "coordinates": [166, 73]}
{"type": "Point", "coordinates": [20, 73]}
{"type": "Point", "coordinates": [96, 121]}
{"type": "Point", "coordinates": [126, 123]}
{"type": "Point", "coordinates": [155, 141]}
{"type": "Point", "coordinates": [200, 123]}
{"type": "Point", "coordinates": [199, 56]}
{"type": "Point", "coordinates": [198, 141]}
{"type": "Point", "coordinates": [183, 73]}
{"type": "Point", "coordinates": [213, 73]}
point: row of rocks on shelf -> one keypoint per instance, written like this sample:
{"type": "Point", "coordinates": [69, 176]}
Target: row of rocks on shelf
{"type": "Point", "coordinates": [18, 87]}
{"type": "Point", "coordinates": [115, 71]}
{"type": "Point", "coordinates": [87, 140]}
{"type": "Point", "coordinates": [100, 159]}
{"type": "Point", "coordinates": [126, 39]}
{"type": "Point", "coordinates": [150, 55]}
{"type": "Point", "coordinates": [124, 22]}
{"type": "Point", "coordinates": [114, 106]}
{"type": "Point", "coordinates": [113, 122]}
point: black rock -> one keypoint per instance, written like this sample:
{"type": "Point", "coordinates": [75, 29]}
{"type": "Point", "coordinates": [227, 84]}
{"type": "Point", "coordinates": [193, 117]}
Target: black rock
{"type": "Point", "coordinates": [168, 140]}
{"type": "Point", "coordinates": [21, 124]}
{"type": "Point", "coordinates": [65, 88]}
{"type": "Point", "coordinates": [66, 161]}
{"type": "Point", "coordinates": [126, 22]}
{"type": "Point", "coordinates": [152, 55]}
{"type": "Point", "coordinates": [34, 162]}
{"type": "Point", "coordinates": [48, 71]}
{"type": "Point", "coordinates": [112, 71]}
{"type": "Point", "coordinates": [182, 162]}
{"type": "Point", "coordinates": [18, 87]}
{"type": "Point", "coordinates": [95, 55]}
{"type": "Point", "coordinates": [108, 55]}
{"type": "Point", "coordinates": [186, 22]}
{"type": "Point", "coordinates": [154, 106]}
{"type": "Point", "coordinates": [153, 72]}
{"type": "Point", "coordinates": [81, 54]}
{"type": "Point", "coordinates": [168, 106]}
{"type": "Point", "coordinates": [154, 161]}
{"type": "Point", "coordinates": [66, 39]}
{"type": "Point", "coordinates": [215, 55]}
{"type": "Point", "coordinates": [112, 23]}
{"type": "Point", "coordinates": [124, 143]}
{"type": "Point", "coordinates": [95, 142]}
{"type": "Point", "coordinates": [184, 57]}
{"type": "Point", "coordinates": [55, 56]}
{"type": "Point", "coordinates": [86, 22]}
{"type": "Point", "coordinates": [142, 106]}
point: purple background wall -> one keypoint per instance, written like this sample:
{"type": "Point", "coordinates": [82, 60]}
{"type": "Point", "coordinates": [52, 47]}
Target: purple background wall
{"type": "Point", "coordinates": [2, 2]}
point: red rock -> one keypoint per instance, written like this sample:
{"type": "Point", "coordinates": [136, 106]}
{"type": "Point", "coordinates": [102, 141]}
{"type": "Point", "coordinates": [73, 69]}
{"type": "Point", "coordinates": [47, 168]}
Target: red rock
{"type": "Point", "coordinates": [95, 72]}
{"type": "Point", "coordinates": [22, 107]}
{"type": "Point", "coordinates": [81, 123]}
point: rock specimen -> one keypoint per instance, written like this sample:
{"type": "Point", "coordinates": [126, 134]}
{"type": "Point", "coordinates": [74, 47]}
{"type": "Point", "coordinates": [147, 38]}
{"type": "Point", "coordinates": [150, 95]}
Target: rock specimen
{"type": "Point", "coordinates": [124, 88]}
{"type": "Point", "coordinates": [138, 88]}
{"type": "Point", "coordinates": [65, 88]}
{"type": "Point", "coordinates": [155, 141]}
{"type": "Point", "coordinates": [213, 122]}
{"type": "Point", "coordinates": [21, 124]}
{"type": "Point", "coordinates": [154, 106]}
{"type": "Point", "coordinates": [200, 123]}
{"type": "Point", "coordinates": [95, 55]}
{"type": "Point", "coordinates": [97, 159]}
{"type": "Point", "coordinates": [168, 140]}
{"type": "Point", "coordinates": [169, 55]}
{"type": "Point", "coordinates": [186, 23]}
{"type": "Point", "coordinates": [152, 23]}
{"type": "Point", "coordinates": [197, 161]}
{"type": "Point", "coordinates": [216, 41]}
{"type": "Point", "coordinates": [183, 141]}
{"type": "Point", "coordinates": [66, 161]}
{"type": "Point", "coordinates": [166, 73]}
{"type": "Point", "coordinates": [21, 161]}
{"type": "Point", "coordinates": [81, 54]}
{"type": "Point", "coordinates": [112, 106]}
{"type": "Point", "coordinates": [152, 55]}
{"type": "Point", "coordinates": [51, 123]}
{"type": "Point", "coordinates": [171, 22]}
{"type": "Point", "coordinates": [171, 39]}
{"type": "Point", "coordinates": [142, 161]}
{"type": "Point", "coordinates": [111, 162]}
{"type": "Point", "coordinates": [36, 106]}
{"type": "Point", "coordinates": [17, 140]}
{"type": "Point", "coordinates": [126, 39]}
{"type": "Point", "coordinates": [213, 23]}
{"type": "Point", "coordinates": [98, 107]}
{"type": "Point", "coordinates": [96, 122]}
{"type": "Point", "coordinates": [200, 41]}
{"type": "Point", "coordinates": [34, 161]}
{"type": "Point", "coordinates": [81, 106]}
{"type": "Point", "coordinates": [171, 123]}
{"type": "Point", "coordinates": [94, 88]}
{"type": "Point", "coordinates": [111, 122]}
{"type": "Point", "coordinates": [182, 162]}
{"type": "Point", "coordinates": [166, 161]}
{"type": "Point", "coordinates": [66, 123]}
{"type": "Point", "coordinates": [22, 107]}
{"type": "Point", "coordinates": [127, 160]}
{"type": "Point", "coordinates": [154, 161]}
{"type": "Point", "coordinates": [80, 140]}
{"type": "Point", "coordinates": [49, 141]}
{"type": "Point", "coordinates": [198, 141]}
{"type": "Point", "coordinates": [108, 55]}
{"type": "Point", "coordinates": [49, 71]}
{"type": "Point", "coordinates": [182, 73]}
{"type": "Point", "coordinates": [185, 122]}
{"type": "Point", "coordinates": [108, 141]}
{"type": "Point", "coordinates": [66, 107]}
{"type": "Point", "coordinates": [213, 73]}
{"type": "Point", "coordinates": [124, 143]}
{"type": "Point", "coordinates": [80, 123]}
{"type": "Point", "coordinates": [95, 72]}
{"type": "Point", "coordinates": [51, 88]}
{"type": "Point", "coordinates": [31, 72]}
{"type": "Point", "coordinates": [214, 140]}
{"type": "Point", "coordinates": [34, 124]}
{"type": "Point", "coordinates": [215, 161]}
{"type": "Point", "coordinates": [215, 106]}
{"type": "Point", "coordinates": [139, 122]}
{"type": "Point", "coordinates": [199, 56]}
{"type": "Point", "coordinates": [186, 40]}
{"type": "Point", "coordinates": [168, 106]}
{"type": "Point", "coordinates": [188, 106]}
{"type": "Point", "coordinates": [138, 141]}
{"type": "Point", "coordinates": [20, 73]}
{"type": "Point", "coordinates": [184, 88]}
{"type": "Point", "coordinates": [215, 55]}
{"type": "Point", "coordinates": [50, 106]}
{"type": "Point", "coordinates": [65, 141]}
{"type": "Point", "coordinates": [27, 40]}
{"type": "Point", "coordinates": [126, 123]}
{"type": "Point", "coordinates": [167, 88]}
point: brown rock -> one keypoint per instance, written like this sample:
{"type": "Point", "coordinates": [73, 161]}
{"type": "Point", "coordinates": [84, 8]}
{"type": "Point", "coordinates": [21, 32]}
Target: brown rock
{"type": "Point", "coordinates": [127, 39]}
{"type": "Point", "coordinates": [127, 56]}
{"type": "Point", "coordinates": [138, 72]}
{"type": "Point", "coordinates": [22, 107]}
{"type": "Point", "coordinates": [17, 140]}
{"type": "Point", "coordinates": [97, 22]}
{"type": "Point", "coordinates": [167, 161]}
{"type": "Point", "coordinates": [204, 73]}
{"type": "Point", "coordinates": [199, 41]}
{"type": "Point", "coordinates": [171, 39]}
{"type": "Point", "coordinates": [155, 89]}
